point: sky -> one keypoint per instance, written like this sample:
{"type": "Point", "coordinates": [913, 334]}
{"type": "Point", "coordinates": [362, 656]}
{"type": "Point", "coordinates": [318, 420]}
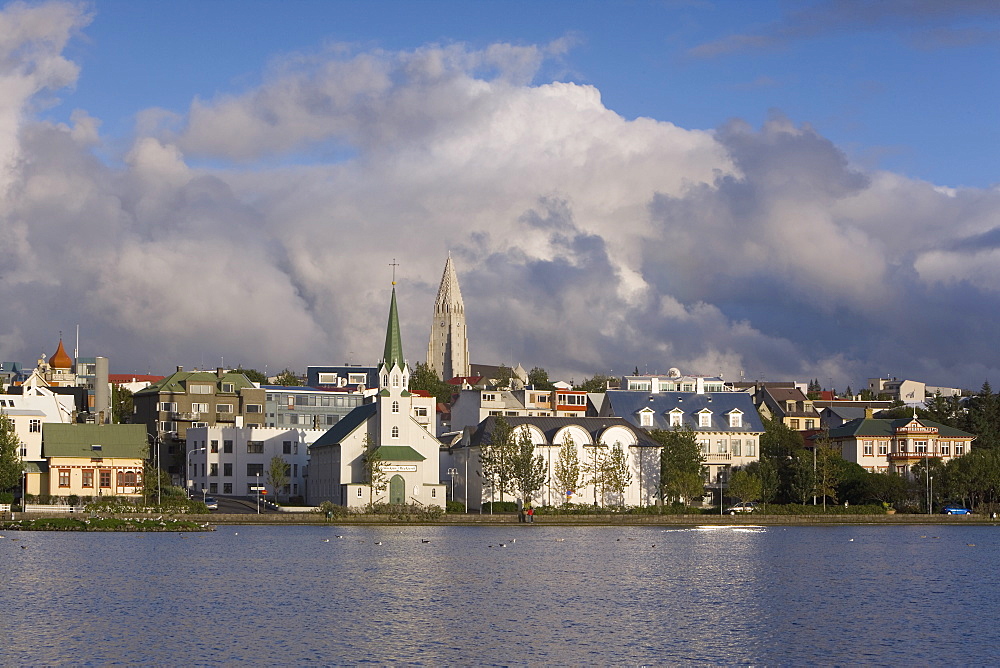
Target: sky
{"type": "Point", "coordinates": [768, 190]}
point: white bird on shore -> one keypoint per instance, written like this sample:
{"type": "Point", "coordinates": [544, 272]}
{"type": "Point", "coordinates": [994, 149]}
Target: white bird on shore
{"type": "Point", "coordinates": [326, 540]}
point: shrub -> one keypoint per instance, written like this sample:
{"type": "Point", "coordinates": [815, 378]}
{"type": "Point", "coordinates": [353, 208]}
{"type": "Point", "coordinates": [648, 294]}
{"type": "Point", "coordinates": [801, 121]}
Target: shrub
{"type": "Point", "coordinates": [500, 507]}
{"type": "Point", "coordinates": [6, 497]}
{"type": "Point", "coordinates": [455, 507]}
{"type": "Point", "coordinates": [331, 510]}
{"type": "Point", "coordinates": [73, 500]}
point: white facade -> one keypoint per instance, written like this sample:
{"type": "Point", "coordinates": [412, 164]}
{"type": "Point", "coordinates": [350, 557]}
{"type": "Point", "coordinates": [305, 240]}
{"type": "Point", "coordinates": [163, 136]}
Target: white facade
{"type": "Point", "coordinates": [233, 461]}
{"type": "Point", "coordinates": [29, 411]}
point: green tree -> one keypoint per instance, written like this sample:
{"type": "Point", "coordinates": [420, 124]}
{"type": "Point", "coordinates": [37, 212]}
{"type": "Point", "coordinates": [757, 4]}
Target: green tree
{"type": "Point", "coordinates": [505, 378]}
{"type": "Point", "coordinates": [11, 466]}
{"type": "Point", "coordinates": [887, 488]}
{"type": "Point", "coordinates": [121, 404]}
{"type": "Point", "coordinates": [539, 379]}
{"type": "Point", "coordinates": [287, 378]}
{"type": "Point", "coordinates": [253, 375]}
{"type": "Point", "coordinates": [802, 478]}
{"type": "Point", "coordinates": [984, 418]}
{"type": "Point", "coordinates": [616, 475]}
{"type": "Point", "coordinates": [496, 456]}
{"type": "Point", "coordinates": [681, 464]}
{"type": "Point", "coordinates": [766, 469]}
{"type": "Point", "coordinates": [745, 485]}
{"type": "Point", "coordinates": [598, 383]}
{"type": "Point", "coordinates": [527, 468]}
{"type": "Point", "coordinates": [944, 410]}
{"type": "Point", "coordinates": [373, 471]}
{"type": "Point", "coordinates": [425, 379]}
{"type": "Point", "coordinates": [277, 475]}
{"type": "Point", "coordinates": [567, 468]}
{"type": "Point", "coordinates": [828, 469]}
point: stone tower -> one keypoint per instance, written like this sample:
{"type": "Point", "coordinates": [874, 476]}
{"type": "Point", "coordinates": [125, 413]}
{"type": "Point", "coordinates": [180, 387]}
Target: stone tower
{"type": "Point", "coordinates": [448, 349]}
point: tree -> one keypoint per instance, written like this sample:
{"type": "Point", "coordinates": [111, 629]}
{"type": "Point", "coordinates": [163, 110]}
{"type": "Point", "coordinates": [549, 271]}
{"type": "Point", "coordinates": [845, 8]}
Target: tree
{"type": "Point", "coordinates": [681, 464]}
{"type": "Point", "coordinates": [373, 472]}
{"type": "Point", "coordinates": [496, 456]}
{"type": "Point", "coordinates": [615, 473]}
{"type": "Point", "coordinates": [745, 486]}
{"type": "Point", "coordinates": [277, 475]}
{"type": "Point", "coordinates": [121, 404]}
{"type": "Point", "coordinates": [766, 469]}
{"type": "Point", "coordinates": [598, 383]}
{"type": "Point", "coordinates": [849, 393]}
{"type": "Point", "coordinates": [943, 410]}
{"type": "Point", "coordinates": [253, 375]}
{"type": "Point", "coordinates": [505, 378]}
{"type": "Point", "coordinates": [567, 469]}
{"type": "Point", "coordinates": [887, 488]}
{"type": "Point", "coordinates": [11, 466]}
{"type": "Point", "coordinates": [287, 378]}
{"type": "Point", "coordinates": [984, 418]}
{"type": "Point", "coordinates": [828, 468]}
{"type": "Point", "coordinates": [425, 379]}
{"type": "Point", "coordinates": [527, 468]}
{"type": "Point", "coordinates": [539, 379]}
{"type": "Point", "coordinates": [801, 479]}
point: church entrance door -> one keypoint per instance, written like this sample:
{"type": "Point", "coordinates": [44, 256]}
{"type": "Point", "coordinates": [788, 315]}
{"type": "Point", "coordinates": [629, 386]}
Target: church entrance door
{"type": "Point", "coordinates": [397, 490]}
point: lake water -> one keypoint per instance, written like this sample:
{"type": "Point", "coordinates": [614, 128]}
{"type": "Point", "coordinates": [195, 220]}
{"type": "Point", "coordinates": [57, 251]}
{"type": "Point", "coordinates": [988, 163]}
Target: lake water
{"type": "Point", "coordinates": [554, 595]}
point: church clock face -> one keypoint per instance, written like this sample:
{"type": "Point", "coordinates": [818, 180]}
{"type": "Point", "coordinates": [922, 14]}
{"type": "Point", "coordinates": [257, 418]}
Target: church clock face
{"type": "Point", "coordinates": [442, 323]}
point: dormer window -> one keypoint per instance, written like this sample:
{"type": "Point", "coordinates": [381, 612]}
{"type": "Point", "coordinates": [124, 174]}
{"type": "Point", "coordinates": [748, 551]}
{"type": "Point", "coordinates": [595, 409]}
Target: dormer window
{"type": "Point", "coordinates": [645, 418]}
{"type": "Point", "coordinates": [736, 418]}
{"type": "Point", "coordinates": [705, 418]}
{"type": "Point", "coordinates": [675, 417]}
{"type": "Point", "coordinates": [96, 448]}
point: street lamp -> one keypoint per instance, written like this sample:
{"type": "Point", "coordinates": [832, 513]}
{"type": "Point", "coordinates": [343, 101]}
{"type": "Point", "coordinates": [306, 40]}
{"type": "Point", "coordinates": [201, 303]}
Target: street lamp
{"type": "Point", "coordinates": [190, 480]}
{"type": "Point", "coordinates": [258, 493]}
{"type": "Point", "coordinates": [452, 472]}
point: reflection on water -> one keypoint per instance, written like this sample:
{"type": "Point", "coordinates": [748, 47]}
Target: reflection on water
{"type": "Point", "coordinates": [566, 595]}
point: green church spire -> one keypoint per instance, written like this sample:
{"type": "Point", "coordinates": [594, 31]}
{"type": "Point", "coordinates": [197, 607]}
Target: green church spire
{"type": "Point", "coordinates": [393, 355]}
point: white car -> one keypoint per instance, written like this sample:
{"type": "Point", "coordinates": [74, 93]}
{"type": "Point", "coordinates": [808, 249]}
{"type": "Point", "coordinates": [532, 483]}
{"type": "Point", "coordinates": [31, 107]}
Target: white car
{"type": "Point", "coordinates": [212, 503]}
{"type": "Point", "coordinates": [747, 507]}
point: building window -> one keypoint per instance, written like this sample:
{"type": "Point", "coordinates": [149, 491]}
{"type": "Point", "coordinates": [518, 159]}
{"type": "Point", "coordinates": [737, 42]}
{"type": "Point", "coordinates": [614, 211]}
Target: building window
{"type": "Point", "coordinates": [395, 432]}
{"type": "Point", "coordinates": [255, 447]}
{"type": "Point", "coordinates": [737, 447]}
{"type": "Point", "coordinates": [704, 444]}
{"type": "Point", "coordinates": [645, 419]}
{"type": "Point", "coordinates": [213, 470]}
{"type": "Point", "coordinates": [920, 446]}
{"type": "Point", "coordinates": [489, 397]}
{"type": "Point", "coordinates": [106, 478]}
{"type": "Point", "coordinates": [215, 446]}
{"type": "Point", "coordinates": [395, 406]}
{"type": "Point", "coordinates": [359, 492]}
{"type": "Point", "coordinates": [809, 424]}
{"type": "Point", "coordinates": [705, 419]}
{"type": "Point", "coordinates": [254, 408]}
{"type": "Point", "coordinates": [751, 449]}
{"type": "Point", "coordinates": [959, 449]}
{"type": "Point", "coordinates": [64, 477]}
{"type": "Point", "coordinates": [720, 447]}
{"type": "Point", "coordinates": [945, 448]}
{"type": "Point", "coordinates": [34, 425]}
{"type": "Point", "coordinates": [168, 427]}
{"type": "Point", "coordinates": [201, 389]}
{"type": "Point", "coordinates": [228, 388]}
{"type": "Point", "coordinates": [196, 425]}
{"type": "Point", "coordinates": [227, 469]}
{"type": "Point", "coordinates": [199, 408]}
{"type": "Point", "coordinates": [793, 423]}
{"type": "Point", "coordinates": [286, 447]}
{"type": "Point", "coordinates": [395, 380]}
{"type": "Point", "coordinates": [227, 446]}
{"type": "Point", "coordinates": [868, 448]}
{"type": "Point", "coordinates": [675, 418]}
{"type": "Point", "coordinates": [433, 493]}
{"type": "Point", "coordinates": [255, 469]}
{"type": "Point", "coordinates": [736, 419]}
{"type": "Point", "coordinates": [224, 408]}
{"type": "Point", "coordinates": [883, 448]}
{"type": "Point", "coordinates": [227, 488]}
{"type": "Point", "coordinates": [167, 406]}
{"type": "Point", "coordinates": [88, 477]}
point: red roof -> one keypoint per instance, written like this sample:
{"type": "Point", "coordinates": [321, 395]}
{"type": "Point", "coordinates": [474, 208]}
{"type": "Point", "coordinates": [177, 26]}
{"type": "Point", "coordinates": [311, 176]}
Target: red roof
{"type": "Point", "coordinates": [421, 393]}
{"type": "Point", "coordinates": [120, 378]}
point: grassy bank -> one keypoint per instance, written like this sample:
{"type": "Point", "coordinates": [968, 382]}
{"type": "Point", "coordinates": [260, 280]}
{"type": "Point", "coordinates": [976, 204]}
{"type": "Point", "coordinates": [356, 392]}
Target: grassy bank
{"type": "Point", "coordinates": [104, 524]}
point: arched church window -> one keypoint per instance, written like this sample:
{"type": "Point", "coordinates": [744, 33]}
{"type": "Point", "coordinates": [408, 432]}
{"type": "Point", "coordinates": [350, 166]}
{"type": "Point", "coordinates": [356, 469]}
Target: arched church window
{"type": "Point", "coordinates": [395, 380]}
{"type": "Point", "coordinates": [395, 432]}
{"type": "Point", "coordinates": [395, 407]}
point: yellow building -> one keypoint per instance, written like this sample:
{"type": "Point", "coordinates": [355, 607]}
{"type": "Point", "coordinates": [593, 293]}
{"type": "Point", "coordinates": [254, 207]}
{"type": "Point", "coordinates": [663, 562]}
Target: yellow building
{"type": "Point", "coordinates": [90, 460]}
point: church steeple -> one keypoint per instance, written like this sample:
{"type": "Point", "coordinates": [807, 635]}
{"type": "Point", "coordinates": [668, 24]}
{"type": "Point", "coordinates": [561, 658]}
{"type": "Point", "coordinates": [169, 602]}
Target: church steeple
{"type": "Point", "coordinates": [393, 354]}
{"type": "Point", "coordinates": [448, 348]}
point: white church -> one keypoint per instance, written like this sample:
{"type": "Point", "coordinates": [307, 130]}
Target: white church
{"type": "Point", "coordinates": [408, 452]}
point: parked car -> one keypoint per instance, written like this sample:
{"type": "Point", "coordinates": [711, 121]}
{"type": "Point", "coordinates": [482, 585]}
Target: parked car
{"type": "Point", "coordinates": [955, 510]}
{"type": "Point", "coordinates": [212, 502]}
{"type": "Point", "coordinates": [747, 507]}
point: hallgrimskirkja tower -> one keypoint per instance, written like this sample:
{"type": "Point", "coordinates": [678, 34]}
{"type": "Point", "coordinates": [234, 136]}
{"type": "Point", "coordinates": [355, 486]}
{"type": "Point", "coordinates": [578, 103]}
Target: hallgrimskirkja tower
{"type": "Point", "coordinates": [448, 349]}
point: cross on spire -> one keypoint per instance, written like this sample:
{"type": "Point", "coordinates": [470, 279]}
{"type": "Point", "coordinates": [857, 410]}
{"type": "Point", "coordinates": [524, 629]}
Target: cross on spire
{"type": "Point", "coordinates": [394, 264]}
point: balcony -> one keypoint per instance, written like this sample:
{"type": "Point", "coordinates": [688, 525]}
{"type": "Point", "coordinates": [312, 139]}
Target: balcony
{"type": "Point", "coordinates": [913, 456]}
{"type": "Point", "coordinates": [718, 457]}
{"type": "Point", "coordinates": [188, 416]}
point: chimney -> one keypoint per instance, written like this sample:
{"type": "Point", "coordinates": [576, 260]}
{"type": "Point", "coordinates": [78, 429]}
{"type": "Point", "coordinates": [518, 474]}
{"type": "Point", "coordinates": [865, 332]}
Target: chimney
{"type": "Point", "coordinates": [700, 385]}
{"type": "Point", "coordinates": [869, 412]}
{"type": "Point", "coordinates": [220, 372]}
{"type": "Point", "coordinates": [179, 369]}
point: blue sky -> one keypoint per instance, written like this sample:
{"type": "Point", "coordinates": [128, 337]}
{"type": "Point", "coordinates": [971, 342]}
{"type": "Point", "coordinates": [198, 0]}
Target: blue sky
{"type": "Point", "coordinates": [883, 88]}
{"type": "Point", "coordinates": [768, 189]}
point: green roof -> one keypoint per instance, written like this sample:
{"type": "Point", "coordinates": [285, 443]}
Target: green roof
{"type": "Point", "coordinates": [886, 428]}
{"type": "Point", "coordinates": [399, 453]}
{"type": "Point", "coordinates": [179, 381]}
{"type": "Point", "coordinates": [347, 424]}
{"type": "Point", "coordinates": [94, 440]}
{"type": "Point", "coordinates": [393, 354]}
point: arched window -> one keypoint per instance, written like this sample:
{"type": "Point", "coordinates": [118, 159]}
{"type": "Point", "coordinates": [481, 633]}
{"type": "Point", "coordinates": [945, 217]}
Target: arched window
{"type": "Point", "coordinates": [130, 479]}
{"type": "Point", "coordinates": [395, 407]}
{"type": "Point", "coordinates": [121, 479]}
{"type": "Point", "coordinates": [395, 380]}
{"type": "Point", "coordinates": [395, 432]}
{"type": "Point", "coordinates": [385, 379]}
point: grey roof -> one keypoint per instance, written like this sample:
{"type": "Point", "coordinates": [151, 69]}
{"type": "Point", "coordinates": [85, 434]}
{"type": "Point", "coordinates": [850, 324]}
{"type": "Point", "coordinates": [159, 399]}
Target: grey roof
{"type": "Point", "coordinates": [628, 403]}
{"type": "Point", "coordinates": [338, 432]}
{"type": "Point", "coordinates": [887, 428]}
{"type": "Point", "coordinates": [549, 426]}
{"type": "Point", "coordinates": [846, 413]}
